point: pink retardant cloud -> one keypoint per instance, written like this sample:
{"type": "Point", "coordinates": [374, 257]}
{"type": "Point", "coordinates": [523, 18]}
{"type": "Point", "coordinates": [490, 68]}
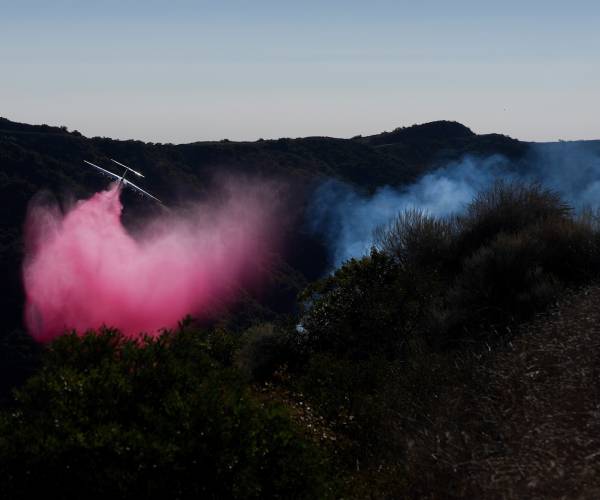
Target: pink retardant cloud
{"type": "Point", "coordinates": [83, 269]}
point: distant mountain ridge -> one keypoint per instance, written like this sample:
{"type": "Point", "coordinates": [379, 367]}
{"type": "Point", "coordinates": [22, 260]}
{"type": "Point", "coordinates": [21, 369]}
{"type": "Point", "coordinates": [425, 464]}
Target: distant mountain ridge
{"type": "Point", "coordinates": [437, 130]}
{"type": "Point", "coordinates": [431, 130]}
{"type": "Point", "coordinates": [388, 158]}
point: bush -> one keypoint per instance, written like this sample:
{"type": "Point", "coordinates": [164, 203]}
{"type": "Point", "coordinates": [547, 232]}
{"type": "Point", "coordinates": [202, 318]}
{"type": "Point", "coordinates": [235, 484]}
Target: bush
{"type": "Point", "coordinates": [521, 270]}
{"type": "Point", "coordinates": [108, 417]}
{"type": "Point", "coordinates": [507, 208]}
{"type": "Point", "coordinates": [418, 241]}
{"type": "Point", "coordinates": [507, 257]}
{"type": "Point", "coordinates": [501, 282]}
{"type": "Point", "coordinates": [383, 332]}
{"type": "Point", "coordinates": [264, 350]}
{"type": "Point", "coordinates": [364, 308]}
{"type": "Point", "coordinates": [350, 394]}
{"type": "Point", "coordinates": [19, 358]}
{"type": "Point", "coordinates": [570, 248]}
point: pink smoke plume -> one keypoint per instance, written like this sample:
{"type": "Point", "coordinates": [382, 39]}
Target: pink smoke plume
{"type": "Point", "coordinates": [83, 269]}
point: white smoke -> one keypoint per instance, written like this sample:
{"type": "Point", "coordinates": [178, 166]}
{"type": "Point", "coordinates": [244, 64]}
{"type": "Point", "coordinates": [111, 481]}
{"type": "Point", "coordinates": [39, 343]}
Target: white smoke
{"type": "Point", "coordinates": [346, 218]}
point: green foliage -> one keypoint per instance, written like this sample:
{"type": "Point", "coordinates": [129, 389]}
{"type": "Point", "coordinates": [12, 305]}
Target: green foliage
{"type": "Point", "coordinates": [518, 247]}
{"type": "Point", "coordinates": [418, 242]}
{"type": "Point", "coordinates": [383, 332]}
{"type": "Point", "coordinates": [175, 417]}
{"type": "Point", "coordinates": [108, 417]}
{"type": "Point", "coordinates": [507, 208]}
{"type": "Point", "coordinates": [366, 307]}
{"type": "Point", "coordinates": [19, 358]}
{"type": "Point", "coordinates": [349, 393]}
{"type": "Point", "coordinates": [265, 348]}
{"type": "Point", "coordinates": [500, 282]}
{"type": "Point", "coordinates": [571, 247]}
{"type": "Point", "coordinates": [442, 280]}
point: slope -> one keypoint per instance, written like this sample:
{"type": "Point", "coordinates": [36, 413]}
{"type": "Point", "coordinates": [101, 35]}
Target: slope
{"type": "Point", "coordinates": [527, 425]}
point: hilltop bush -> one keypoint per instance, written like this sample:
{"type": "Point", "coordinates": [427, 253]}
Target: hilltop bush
{"type": "Point", "coordinates": [108, 417]}
{"type": "Point", "coordinates": [443, 280]}
{"type": "Point", "coordinates": [417, 241]}
{"type": "Point", "coordinates": [367, 307]}
{"type": "Point", "coordinates": [518, 247]}
{"type": "Point", "coordinates": [507, 208]}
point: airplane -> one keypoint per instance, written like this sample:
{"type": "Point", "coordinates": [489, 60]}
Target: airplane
{"type": "Point", "coordinates": [122, 180]}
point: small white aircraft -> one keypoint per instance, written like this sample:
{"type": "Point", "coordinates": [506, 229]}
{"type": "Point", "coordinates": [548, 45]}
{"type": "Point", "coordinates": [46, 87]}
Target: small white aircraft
{"type": "Point", "coordinates": [121, 179]}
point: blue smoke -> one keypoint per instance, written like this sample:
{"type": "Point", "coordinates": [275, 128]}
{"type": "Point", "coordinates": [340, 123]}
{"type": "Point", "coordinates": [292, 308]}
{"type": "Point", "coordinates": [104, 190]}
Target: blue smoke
{"type": "Point", "coordinates": [346, 218]}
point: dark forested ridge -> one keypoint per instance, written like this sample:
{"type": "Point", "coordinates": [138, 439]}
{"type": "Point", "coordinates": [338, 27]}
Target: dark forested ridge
{"type": "Point", "coordinates": [40, 157]}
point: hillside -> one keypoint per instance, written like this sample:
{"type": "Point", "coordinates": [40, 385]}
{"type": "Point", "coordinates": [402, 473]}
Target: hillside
{"type": "Point", "coordinates": [40, 157]}
{"type": "Point", "coordinates": [437, 366]}
{"type": "Point", "coordinates": [525, 424]}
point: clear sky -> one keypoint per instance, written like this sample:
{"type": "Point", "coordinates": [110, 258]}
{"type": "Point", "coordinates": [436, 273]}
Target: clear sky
{"type": "Point", "coordinates": [180, 71]}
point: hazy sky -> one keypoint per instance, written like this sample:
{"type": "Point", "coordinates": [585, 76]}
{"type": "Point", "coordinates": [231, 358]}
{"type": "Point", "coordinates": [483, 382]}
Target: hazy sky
{"type": "Point", "coordinates": [179, 71]}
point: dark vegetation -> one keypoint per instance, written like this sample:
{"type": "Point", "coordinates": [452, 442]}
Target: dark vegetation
{"type": "Point", "coordinates": [345, 395]}
{"type": "Point", "coordinates": [162, 418]}
{"type": "Point", "coordinates": [387, 333]}
{"type": "Point", "coordinates": [39, 157]}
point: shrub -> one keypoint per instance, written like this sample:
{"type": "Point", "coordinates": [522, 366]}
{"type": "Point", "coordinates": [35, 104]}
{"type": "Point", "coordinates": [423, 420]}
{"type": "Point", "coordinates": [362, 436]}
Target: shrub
{"type": "Point", "coordinates": [351, 395]}
{"type": "Point", "coordinates": [507, 208]}
{"type": "Point", "coordinates": [383, 331]}
{"type": "Point", "coordinates": [522, 268]}
{"type": "Point", "coordinates": [499, 283]}
{"type": "Point", "coordinates": [364, 308]}
{"type": "Point", "coordinates": [570, 248]}
{"type": "Point", "coordinates": [418, 241]}
{"type": "Point", "coordinates": [508, 256]}
{"type": "Point", "coordinates": [264, 350]}
{"type": "Point", "coordinates": [108, 417]}
{"type": "Point", "coordinates": [19, 358]}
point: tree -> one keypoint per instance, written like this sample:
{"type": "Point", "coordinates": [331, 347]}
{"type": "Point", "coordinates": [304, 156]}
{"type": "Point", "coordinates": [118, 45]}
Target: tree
{"type": "Point", "coordinates": [108, 417]}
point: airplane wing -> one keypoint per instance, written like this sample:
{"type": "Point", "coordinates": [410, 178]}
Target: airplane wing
{"type": "Point", "coordinates": [139, 190]}
{"type": "Point", "coordinates": [125, 182]}
{"type": "Point", "coordinates": [128, 168]}
{"type": "Point", "coordinates": [104, 171]}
